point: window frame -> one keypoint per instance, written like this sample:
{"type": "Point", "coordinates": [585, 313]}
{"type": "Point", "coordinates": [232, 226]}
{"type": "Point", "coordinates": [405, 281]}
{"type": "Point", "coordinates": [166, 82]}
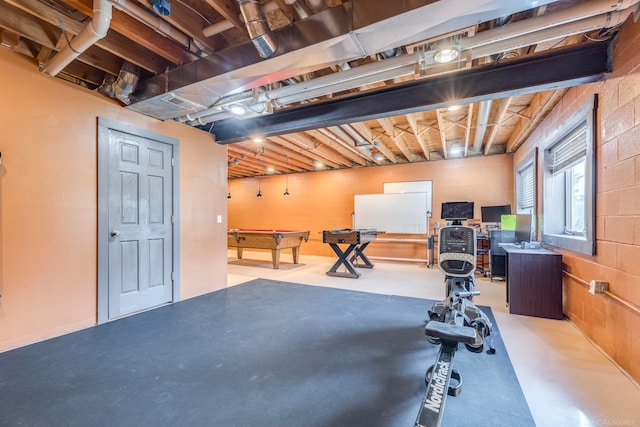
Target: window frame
{"type": "Point", "coordinates": [529, 161]}
{"type": "Point", "coordinates": [584, 243]}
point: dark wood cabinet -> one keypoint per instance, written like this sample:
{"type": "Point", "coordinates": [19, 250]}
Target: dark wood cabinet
{"type": "Point", "coordinates": [497, 254]}
{"type": "Point", "coordinates": [534, 282]}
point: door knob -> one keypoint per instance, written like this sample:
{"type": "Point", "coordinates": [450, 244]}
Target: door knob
{"type": "Point", "coordinates": [115, 233]}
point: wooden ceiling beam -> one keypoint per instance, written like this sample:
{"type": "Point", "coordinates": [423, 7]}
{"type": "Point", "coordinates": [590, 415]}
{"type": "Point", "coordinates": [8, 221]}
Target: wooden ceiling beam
{"type": "Point", "coordinates": [139, 33]}
{"type": "Point", "coordinates": [114, 43]}
{"type": "Point", "coordinates": [29, 27]}
{"type": "Point", "coordinates": [269, 157]}
{"type": "Point", "coordinates": [502, 112]}
{"type": "Point", "coordinates": [295, 158]}
{"type": "Point", "coordinates": [413, 123]}
{"type": "Point", "coordinates": [390, 130]}
{"type": "Point", "coordinates": [309, 143]}
{"type": "Point", "coordinates": [307, 151]}
{"type": "Point", "coordinates": [230, 10]}
{"type": "Point", "coordinates": [540, 105]}
{"type": "Point", "coordinates": [337, 144]}
{"type": "Point", "coordinates": [367, 133]}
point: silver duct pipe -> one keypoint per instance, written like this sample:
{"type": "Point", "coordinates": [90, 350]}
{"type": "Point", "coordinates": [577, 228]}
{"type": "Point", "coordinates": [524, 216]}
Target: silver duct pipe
{"type": "Point", "coordinates": [106, 87]}
{"type": "Point", "coordinates": [126, 82]}
{"type": "Point", "coordinates": [94, 31]}
{"type": "Point", "coordinates": [481, 125]}
{"type": "Point", "coordinates": [261, 35]}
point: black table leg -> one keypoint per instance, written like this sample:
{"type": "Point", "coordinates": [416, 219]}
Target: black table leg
{"type": "Point", "coordinates": [343, 259]}
{"type": "Point", "coordinates": [359, 253]}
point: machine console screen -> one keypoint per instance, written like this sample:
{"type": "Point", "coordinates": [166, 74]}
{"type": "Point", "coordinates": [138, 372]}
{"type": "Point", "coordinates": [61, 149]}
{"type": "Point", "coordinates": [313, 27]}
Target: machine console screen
{"type": "Point", "coordinates": [457, 240]}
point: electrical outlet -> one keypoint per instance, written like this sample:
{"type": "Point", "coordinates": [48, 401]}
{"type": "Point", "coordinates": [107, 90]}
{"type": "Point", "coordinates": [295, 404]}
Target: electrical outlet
{"type": "Point", "coordinates": [598, 287]}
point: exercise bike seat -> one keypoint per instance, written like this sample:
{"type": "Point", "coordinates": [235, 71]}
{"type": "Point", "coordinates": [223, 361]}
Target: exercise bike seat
{"type": "Point", "coordinates": [452, 333]}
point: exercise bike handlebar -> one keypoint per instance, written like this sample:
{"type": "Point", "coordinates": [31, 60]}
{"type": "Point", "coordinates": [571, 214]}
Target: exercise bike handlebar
{"type": "Point", "coordinates": [467, 294]}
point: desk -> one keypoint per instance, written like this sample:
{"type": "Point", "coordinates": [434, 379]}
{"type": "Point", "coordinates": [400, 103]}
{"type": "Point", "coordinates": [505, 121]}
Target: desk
{"type": "Point", "coordinates": [534, 282]}
{"type": "Point", "coordinates": [357, 240]}
{"type": "Point", "coordinates": [275, 240]}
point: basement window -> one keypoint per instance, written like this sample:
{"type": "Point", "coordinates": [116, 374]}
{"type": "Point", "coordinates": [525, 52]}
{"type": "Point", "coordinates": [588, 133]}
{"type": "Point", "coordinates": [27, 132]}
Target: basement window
{"type": "Point", "coordinates": [569, 183]}
{"type": "Point", "coordinates": [526, 188]}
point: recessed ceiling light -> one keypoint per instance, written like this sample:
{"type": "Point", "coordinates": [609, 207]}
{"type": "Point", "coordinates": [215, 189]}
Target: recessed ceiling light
{"type": "Point", "coordinates": [238, 109]}
{"type": "Point", "coordinates": [454, 107]}
{"type": "Point", "coordinates": [445, 55]}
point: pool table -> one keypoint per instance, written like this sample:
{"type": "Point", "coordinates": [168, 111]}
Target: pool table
{"type": "Point", "coordinates": [275, 240]}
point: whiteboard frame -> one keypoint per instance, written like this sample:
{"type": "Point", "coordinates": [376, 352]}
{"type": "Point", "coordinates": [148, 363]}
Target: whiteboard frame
{"type": "Point", "coordinates": [401, 213]}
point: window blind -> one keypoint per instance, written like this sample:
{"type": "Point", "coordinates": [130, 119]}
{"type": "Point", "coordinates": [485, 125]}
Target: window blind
{"type": "Point", "coordinates": [572, 148]}
{"type": "Point", "coordinates": [527, 188]}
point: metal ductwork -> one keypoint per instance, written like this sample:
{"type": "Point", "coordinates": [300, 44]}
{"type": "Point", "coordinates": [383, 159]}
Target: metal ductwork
{"type": "Point", "coordinates": [126, 82]}
{"type": "Point", "coordinates": [336, 35]}
{"type": "Point", "coordinates": [261, 35]}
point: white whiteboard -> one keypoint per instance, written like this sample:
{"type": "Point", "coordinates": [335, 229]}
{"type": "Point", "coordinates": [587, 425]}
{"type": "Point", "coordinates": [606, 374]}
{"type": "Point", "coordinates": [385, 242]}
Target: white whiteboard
{"type": "Point", "coordinates": [411, 187]}
{"type": "Point", "coordinates": [392, 212]}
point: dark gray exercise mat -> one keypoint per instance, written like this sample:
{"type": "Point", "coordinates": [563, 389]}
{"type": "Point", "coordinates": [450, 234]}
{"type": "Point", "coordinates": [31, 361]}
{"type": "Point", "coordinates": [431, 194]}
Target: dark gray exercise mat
{"type": "Point", "coordinates": [263, 353]}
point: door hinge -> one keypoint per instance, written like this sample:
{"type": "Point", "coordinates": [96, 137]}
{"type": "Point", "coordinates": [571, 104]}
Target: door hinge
{"type": "Point", "coordinates": [173, 162]}
{"type": "Point", "coordinates": [173, 276]}
{"type": "Point", "coordinates": [173, 219]}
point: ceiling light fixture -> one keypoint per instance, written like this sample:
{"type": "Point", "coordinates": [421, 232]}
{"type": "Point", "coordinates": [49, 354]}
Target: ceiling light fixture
{"type": "Point", "coordinates": [161, 7]}
{"type": "Point", "coordinates": [259, 195]}
{"type": "Point", "coordinates": [454, 107]}
{"type": "Point", "coordinates": [228, 187]}
{"type": "Point", "coordinates": [238, 109]}
{"type": "Point", "coordinates": [447, 50]}
{"type": "Point", "coordinates": [455, 148]}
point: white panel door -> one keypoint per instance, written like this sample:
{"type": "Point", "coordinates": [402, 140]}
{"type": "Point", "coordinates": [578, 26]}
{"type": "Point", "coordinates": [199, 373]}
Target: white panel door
{"type": "Point", "coordinates": [140, 241]}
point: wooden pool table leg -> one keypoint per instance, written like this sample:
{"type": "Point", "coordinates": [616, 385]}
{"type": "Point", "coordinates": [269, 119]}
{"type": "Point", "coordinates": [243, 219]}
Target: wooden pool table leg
{"type": "Point", "coordinates": [275, 257]}
{"type": "Point", "coordinates": [296, 254]}
{"type": "Point", "coordinates": [239, 251]}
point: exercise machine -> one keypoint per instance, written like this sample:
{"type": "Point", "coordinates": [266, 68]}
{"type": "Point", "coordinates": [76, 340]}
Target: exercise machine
{"type": "Point", "coordinates": [452, 321]}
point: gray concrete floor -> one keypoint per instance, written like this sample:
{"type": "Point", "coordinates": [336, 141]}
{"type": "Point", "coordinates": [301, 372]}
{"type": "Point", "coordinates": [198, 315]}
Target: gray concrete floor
{"type": "Point", "coordinates": [566, 379]}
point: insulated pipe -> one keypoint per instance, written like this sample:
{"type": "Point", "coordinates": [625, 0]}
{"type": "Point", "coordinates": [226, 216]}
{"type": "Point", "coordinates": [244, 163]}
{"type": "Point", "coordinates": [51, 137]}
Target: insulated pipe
{"type": "Point", "coordinates": [94, 31]}
{"type": "Point", "coordinates": [156, 23]}
{"type": "Point", "coordinates": [481, 125]}
{"type": "Point", "coordinates": [329, 81]}
{"type": "Point", "coordinates": [541, 22]}
{"type": "Point", "coordinates": [606, 20]}
{"type": "Point", "coordinates": [261, 35]}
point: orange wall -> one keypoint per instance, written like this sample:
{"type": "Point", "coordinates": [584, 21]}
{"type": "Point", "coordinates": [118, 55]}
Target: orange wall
{"type": "Point", "coordinates": [609, 324]}
{"type": "Point", "coordinates": [48, 203]}
{"type": "Point", "coordinates": [324, 200]}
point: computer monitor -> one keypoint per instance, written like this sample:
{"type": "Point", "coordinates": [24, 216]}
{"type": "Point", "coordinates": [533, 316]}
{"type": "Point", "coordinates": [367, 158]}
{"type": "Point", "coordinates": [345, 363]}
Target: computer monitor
{"type": "Point", "coordinates": [523, 228]}
{"type": "Point", "coordinates": [457, 211]}
{"type": "Point", "coordinates": [494, 213]}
